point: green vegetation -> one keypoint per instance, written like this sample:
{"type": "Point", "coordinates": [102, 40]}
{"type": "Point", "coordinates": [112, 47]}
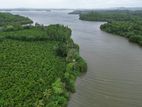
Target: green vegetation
{"type": "Point", "coordinates": [38, 66]}
{"type": "Point", "coordinates": [130, 30]}
{"type": "Point", "coordinates": [121, 22]}
{"type": "Point", "coordinates": [10, 19]}
{"type": "Point", "coordinates": [110, 16]}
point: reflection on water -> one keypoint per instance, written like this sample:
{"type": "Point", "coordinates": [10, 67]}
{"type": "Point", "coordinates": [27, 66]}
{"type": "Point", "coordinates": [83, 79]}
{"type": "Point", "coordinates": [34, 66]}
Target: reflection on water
{"type": "Point", "coordinates": [114, 77]}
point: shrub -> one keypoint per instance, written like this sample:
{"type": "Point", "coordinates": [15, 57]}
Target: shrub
{"type": "Point", "coordinates": [72, 54]}
{"type": "Point", "coordinates": [82, 65]}
{"type": "Point", "coordinates": [58, 87]}
{"type": "Point", "coordinates": [135, 39]}
{"type": "Point", "coordinates": [61, 49]}
{"type": "Point", "coordinates": [70, 77]}
{"type": "Point", "coordinates": [8, 28]}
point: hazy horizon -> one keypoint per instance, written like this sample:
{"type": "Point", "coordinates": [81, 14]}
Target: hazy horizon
{"type": "Point", "coordinates": [69, 4]}
{"type": "Point", "coordinates": [70, 8]}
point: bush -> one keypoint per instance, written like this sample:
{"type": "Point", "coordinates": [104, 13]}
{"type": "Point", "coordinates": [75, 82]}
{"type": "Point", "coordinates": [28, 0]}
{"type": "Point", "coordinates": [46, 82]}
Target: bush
{"type": "Point", "coordinates": [72, 54]}
{"type": "Point", "coordinates": [135, 39]}
{"type": "Point", "coordinates": [82, 65]}
{"type": "Point", "coordinates": [61, 49]}
{"type": "Point", "coordinates": [58, 101]}
{"type": "Point", "coordinates": [58, 32]}
{"type": "Point", "coordinates": [58, 87]}
{"type": "Point", "coordinates": [15, 27]}
{"type": "Point", "coordinates": [70, 77]}
{"type": "Point", "coordinates": [8, 28]}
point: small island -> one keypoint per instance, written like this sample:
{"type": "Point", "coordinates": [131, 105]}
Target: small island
{"type": "Point", "coordinates": [38, 64]}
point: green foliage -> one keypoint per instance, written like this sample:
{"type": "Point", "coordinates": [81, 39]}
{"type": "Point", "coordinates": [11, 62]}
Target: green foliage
{"type": "Point", "coordinates": [58, 87]}
{"type": "Point", "coordinates": [136, 39]}
{"type": "Point", "coordinates": [72, 54]}
{"type": "Point", "coordinates": [26, 70]}
{"type": "Point", "coordinates": [73, 69]}
{"type": "Point", "coordinates": [32, 34]}
{"type": "Point", "coordinates": [58, 101]}
{"type": "Point", "coordinates": [1, 39]}
{"type": "Point", "coordinates": [32, 73]}
{"type": "Point", "coordinates": [16, 27]}
{"type": "Point", "coordinates": [82, 65]}
{"type": "Point", "coordinates": [29, 69]}
{"type": "Point", "coordinates": [58, 32]}
{"type": "Point", "coordinates": [112, 15]}
{"type": "Point", "coordinates": [61, 49]}
{"type": "Point", "coordinates": [39, 33]}
{"type": "Point", "coordinates": [70, 77]}
{"type": "Point", "coordinates": [9, 28]}
{"type": "Point", "coordinates": [10, 19]}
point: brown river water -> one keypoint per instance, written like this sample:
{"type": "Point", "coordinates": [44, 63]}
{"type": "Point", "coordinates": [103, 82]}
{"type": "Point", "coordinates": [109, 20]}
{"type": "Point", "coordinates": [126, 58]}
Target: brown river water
{"type": "Point", "coordinates": [114, 76]}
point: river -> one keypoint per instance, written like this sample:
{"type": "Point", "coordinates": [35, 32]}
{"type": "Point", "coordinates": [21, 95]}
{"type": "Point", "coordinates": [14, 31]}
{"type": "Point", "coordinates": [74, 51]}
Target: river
{"type": "Point", "coordinates": [114, 76]}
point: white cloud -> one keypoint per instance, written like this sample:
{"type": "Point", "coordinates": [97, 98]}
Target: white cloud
{"type": "Point", "coordinates": [69, 3]}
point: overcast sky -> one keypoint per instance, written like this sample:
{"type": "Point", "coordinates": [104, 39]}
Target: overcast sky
{"type": "Point", "coordinates": [69, 3]}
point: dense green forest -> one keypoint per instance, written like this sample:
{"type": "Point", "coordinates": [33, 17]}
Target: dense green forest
{"type": "Point", "coordinates": [38, 66]}
{"type": "Point", "coordinates": [120, 22]}
{"type": "Point", "coordinates": [112, 15]}
{"type": "Point", "coordinates": [10, 19]}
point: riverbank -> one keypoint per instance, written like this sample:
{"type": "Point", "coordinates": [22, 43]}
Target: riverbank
{"type": "Point", "coordinates": [124, 23]}
{"type": "Point", "coordinates": [125, 29]}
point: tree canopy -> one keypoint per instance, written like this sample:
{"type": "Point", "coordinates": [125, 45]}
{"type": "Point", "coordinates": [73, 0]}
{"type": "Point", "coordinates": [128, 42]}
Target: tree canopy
{"type": "Point", "coordinates": [10, 19]}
